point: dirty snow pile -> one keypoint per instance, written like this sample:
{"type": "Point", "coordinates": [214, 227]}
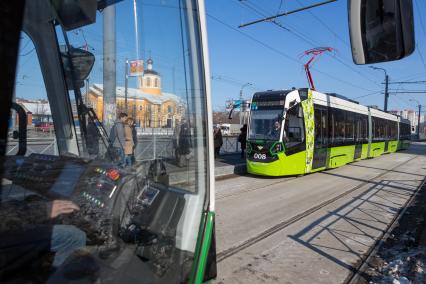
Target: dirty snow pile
{"type": "Point", "coordinates": [402, 264]}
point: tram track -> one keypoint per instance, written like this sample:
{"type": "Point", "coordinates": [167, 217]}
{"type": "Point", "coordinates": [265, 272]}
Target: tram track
{"type": "Point", "coordinates": [284, 224]}
{"type": "Point", "coordinates": [355, 277]}
{"type": "Point", "coordinates": [254, 189]}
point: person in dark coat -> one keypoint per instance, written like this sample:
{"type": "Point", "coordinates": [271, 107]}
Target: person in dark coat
{"type": "Point", "coordinates": [183, 143]}
{"type": "Point", "coordinates": [92, 139]}
{"type": "Point", "coordinates": [135, 141]}
{"type": "Point", "coordinates": [218, 140]}
{"type": "Point", "coordinates": [242, 138]}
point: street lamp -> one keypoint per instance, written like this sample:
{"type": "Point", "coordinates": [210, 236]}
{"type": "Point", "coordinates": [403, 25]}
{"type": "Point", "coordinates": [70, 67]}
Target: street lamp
{"type": "Point", "coordinates": [418, 119]}
{"type": "Point", "coordinates": [386, 85]}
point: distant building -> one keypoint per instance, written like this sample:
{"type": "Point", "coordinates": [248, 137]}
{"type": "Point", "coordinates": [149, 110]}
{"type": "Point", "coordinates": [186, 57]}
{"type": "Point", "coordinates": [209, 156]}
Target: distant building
{"type": "Point", "coordinates": [147, 104]}
{"type": "Point", "coordinates": [413, 117]}
{"type": "Point", "coordinates": [37, 110]}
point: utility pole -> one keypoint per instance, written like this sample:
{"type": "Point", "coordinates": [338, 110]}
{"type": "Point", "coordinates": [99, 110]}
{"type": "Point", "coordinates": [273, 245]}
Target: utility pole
{"type": "Point", "coordinates": [126, 79]}
{"type": "Point", "coordinates": [418, 118]}
{"type": "Point", "coordinates": [418, 122]}
{"type": "Point", "coordinates": [386, 86]}
{"type": "Point", "coordinates": [109, 67]}
{"type": "Point", "coordinates": [386, 92]}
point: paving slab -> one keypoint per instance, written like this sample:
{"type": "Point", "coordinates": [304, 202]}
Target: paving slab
{"type": "Point", "coordinates": [324, 246]}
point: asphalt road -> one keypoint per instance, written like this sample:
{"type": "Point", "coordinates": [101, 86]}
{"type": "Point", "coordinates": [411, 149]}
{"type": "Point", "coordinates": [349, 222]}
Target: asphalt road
{"type": "Point", "coordinates": [315, 228]}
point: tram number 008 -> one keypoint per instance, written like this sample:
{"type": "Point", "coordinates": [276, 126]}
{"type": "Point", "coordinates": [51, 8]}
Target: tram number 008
{"type": "Point", "coordinates": [259, 156]}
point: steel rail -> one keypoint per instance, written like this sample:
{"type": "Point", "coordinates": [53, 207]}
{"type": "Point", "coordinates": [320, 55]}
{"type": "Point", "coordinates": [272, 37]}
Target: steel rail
{"type": "Point", "coordinates": [355, 277]}
{"type": "Point", "coordinates": [284, 224]}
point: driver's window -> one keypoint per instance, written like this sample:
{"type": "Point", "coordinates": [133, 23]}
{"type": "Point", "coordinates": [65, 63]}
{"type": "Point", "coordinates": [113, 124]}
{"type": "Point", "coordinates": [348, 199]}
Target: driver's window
{"type": "Point", "coordinates": [30, 96]}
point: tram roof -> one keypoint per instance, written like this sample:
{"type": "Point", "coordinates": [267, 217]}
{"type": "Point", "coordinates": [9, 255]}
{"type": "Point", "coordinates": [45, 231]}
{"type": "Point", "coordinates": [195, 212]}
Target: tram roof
{"type": "Point", "coordinates": [271, 95]}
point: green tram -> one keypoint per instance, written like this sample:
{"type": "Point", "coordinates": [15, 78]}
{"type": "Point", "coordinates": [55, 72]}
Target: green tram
{"type": "Point", "coordinates": [295, 132]}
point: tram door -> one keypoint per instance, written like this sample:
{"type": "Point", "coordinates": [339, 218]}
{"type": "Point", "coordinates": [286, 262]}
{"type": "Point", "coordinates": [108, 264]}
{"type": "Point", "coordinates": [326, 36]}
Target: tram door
{"type": "Point", "coordinates": [321, 137]}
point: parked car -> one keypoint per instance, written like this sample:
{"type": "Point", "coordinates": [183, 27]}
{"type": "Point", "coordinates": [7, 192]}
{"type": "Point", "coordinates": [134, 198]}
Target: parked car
{"type": "Point", "coordinates": [44, 126]}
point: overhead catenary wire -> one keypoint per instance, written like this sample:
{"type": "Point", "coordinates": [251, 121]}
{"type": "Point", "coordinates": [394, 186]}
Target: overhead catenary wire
{"type": "Point", "coordinates": [279, 52]}
{"type": "Point", "coordinates": [233, 81]}
{"type": "Point", "coordinates": [303, 38]}
{"type": "Point", "coordinates": [312, 43]}
{"type": "Point", "coordinates": [326, 26]}
{"type": "Point", "coordinates": [369, 94]}
{"type": "Point", "coordinates": [286, 13]}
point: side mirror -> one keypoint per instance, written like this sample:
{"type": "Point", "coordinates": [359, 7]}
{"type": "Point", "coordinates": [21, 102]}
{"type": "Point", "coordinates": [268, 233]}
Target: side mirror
{"type": "Point", "coordinates": [381, 30]}
{"type": "Point", "coordinates": [74, 14]}
{"type": "Point", "coordinates": [81, 63]}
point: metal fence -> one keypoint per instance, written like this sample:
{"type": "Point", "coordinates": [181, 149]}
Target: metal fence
{"type": "Point", "coordinates": [151, 145]}
{"type": "Point", "coordinates": [154, 147]}
{"type": "Point", "coordinates": [34, 145]}
{"type": "Point", "coordinates": [230, 145]}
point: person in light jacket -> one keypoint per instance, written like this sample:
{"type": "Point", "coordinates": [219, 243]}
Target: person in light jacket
{"type": "Point", "coordinates": [128, 143]}
{"type": "Point", "coordinates": [117, 139]}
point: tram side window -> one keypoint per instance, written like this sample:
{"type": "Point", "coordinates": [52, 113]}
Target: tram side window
{"type": "Point", "coordinates": [321, 126]}
{"type": "Point", "coordinates": [339, 126]}
{"type": "Point", "coordinates": [349, 129]}
{"type": "Point", "coordinates": [294, 128]}
{"type": "Point", "coordinates": [317, 118]}
{"type": "Point", "coordinates": [387, 129]}
{"type": "Point", "coordinates": [376, 129]}
{"type": "Point", "coordinates": [365, 128]}
{"type": "Point", "coordinates": [395, 129]}
{"type": "Point", "coordinates": [357, 122]}
{"type": "Point", "coordinates": [330, 126]}
{"type": "Point", "coordinates": [324, 126]}
{"type": "Point", "coordinates": [390, 127]}
{"type": "Point", "coordinates": [405, 131]}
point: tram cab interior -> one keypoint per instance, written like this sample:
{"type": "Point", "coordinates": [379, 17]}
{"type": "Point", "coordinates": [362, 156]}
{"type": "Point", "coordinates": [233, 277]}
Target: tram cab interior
{"type": "Point", "coordinates": [71, 209]}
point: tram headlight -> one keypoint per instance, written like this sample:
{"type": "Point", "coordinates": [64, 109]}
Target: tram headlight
{"type": "Point", "coordinates": [276, 148]}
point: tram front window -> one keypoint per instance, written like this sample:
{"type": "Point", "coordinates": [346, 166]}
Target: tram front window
{"type": "Point", "coordinates": [265, 124]}
{"type": "Point", "coordinates": [115, 192]}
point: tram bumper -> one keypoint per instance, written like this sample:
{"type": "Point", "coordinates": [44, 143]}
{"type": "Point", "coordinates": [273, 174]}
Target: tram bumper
{"type": "Point", "coordinates": [282, 166]}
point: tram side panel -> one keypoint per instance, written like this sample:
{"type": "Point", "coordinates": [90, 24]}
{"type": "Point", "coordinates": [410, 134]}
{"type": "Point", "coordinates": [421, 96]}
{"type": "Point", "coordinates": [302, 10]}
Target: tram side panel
{"type": "Point", "coordinates": [331, 132]}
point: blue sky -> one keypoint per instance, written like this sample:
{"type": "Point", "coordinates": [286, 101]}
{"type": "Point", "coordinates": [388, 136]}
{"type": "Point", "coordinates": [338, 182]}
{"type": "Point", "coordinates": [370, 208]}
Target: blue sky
{"type": "Point", "coordinates": [264, 54]}
{"type": "Point", "coordinates": [236, 57]}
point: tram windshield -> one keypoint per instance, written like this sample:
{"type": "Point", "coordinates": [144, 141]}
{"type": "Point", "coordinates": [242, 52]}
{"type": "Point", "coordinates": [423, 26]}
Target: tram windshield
{"type": "Point", "coordinates": [111, 107]}
{"type": "Point", "coordinates": [265, 124]}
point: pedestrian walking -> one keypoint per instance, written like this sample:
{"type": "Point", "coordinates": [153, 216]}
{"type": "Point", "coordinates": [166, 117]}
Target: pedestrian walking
{"type": "Point", "coordinates": [242, 138]}
{"type": "Point", "coordinates": [218, 140]}
{"type": "Point", "coordinates": [117, 139]}
{"type": "Point", "coordinates": [184, 143]}
{"type": "Point", "coordinates": [128, 144]}
{"type": "Point", "coordinates": [135, 141]}
{"type": "Point", "coordinates": [92, 139]}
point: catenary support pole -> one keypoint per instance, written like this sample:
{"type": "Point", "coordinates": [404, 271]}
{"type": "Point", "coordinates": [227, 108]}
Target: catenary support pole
{"type": "Point", "coordinates": [126, 78]}
{"type": "Point", "coordinates": [109, 67]}
{"type": "Point", "coordinates": [386, 92]}
{"type": "Point", "coordinates": [418, 122]}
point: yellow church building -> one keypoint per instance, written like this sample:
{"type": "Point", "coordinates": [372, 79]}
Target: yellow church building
{"type": "Point", "coordinates": [147, 104]}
